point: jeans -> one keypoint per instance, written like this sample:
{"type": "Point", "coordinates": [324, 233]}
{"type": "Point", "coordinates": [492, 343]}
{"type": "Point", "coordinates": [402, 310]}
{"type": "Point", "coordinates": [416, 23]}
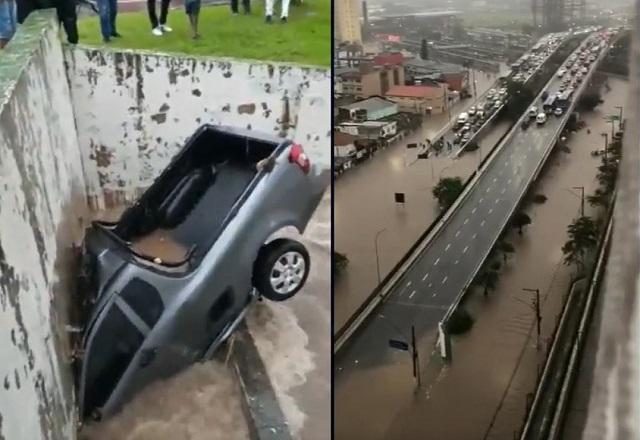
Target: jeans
{"type": "Point", "coordinates": [164, 10]}
{"type": "Point", "coordinates": [245, 5]}
{"type": "Point", "coordinates": [269, 8]}
{"type": "Point", "coordinates": [108, 11]}
{"type": "Point", "coordinates": [7, 19]}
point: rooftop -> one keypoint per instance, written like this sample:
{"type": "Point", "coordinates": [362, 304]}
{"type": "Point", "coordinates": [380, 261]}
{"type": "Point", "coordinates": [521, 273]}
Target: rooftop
{"type": "Point", "coordinates": [340, 138]}
{"type": "Point", "coordinates": [416, 91]}
{"type": "Point", "coordinates": [371, 104]}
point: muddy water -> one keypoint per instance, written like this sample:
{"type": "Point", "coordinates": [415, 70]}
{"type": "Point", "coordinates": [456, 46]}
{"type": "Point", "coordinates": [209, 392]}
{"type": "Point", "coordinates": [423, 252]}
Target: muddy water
{"type": "Point", "coordinates": [482, 393]}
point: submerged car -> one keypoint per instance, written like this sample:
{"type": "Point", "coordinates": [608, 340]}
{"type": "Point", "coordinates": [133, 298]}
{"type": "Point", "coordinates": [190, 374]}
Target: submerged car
{"type": "Point", "coordinates": [165, 286]}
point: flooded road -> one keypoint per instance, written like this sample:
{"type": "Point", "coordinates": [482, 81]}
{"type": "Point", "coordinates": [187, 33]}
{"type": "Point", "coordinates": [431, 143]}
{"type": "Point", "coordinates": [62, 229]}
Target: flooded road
{"type": "Point", "coordinates": [482, 393]}
{"type": "Point", "coordinates": [370, 187]}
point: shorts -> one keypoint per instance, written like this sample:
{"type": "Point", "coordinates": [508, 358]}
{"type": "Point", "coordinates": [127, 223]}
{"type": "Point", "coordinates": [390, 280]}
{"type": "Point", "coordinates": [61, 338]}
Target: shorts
{"type": "Point", "coordinates": [8, 22]}
{"type": "Point", "coordinates": [192, 7]}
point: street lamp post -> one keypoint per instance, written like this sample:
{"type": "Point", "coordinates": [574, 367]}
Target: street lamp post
{"type": "Point", "coordinates": [619, 107]}
{"type": "Point", "coordinates": [536, 308]}
{"type": "Point", "coordinates": [375, 242]}
{"type": "Point", "coordinates": [581, 188]}
{"type": "Point", "coordinates": [606, 144]}
{"type": "Point", "coordinates": [415, 359]}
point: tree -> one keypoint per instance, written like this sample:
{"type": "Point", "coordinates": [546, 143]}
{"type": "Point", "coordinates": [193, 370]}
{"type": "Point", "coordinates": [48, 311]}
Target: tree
{"type": "Point", "coordinates": [424, 49]}
{"type": "Point", "coordinates": [520, 98]}
{"type": "Point", "coordinates": [583, 236]}
{"type": "Point", "coordinates": [506, 248]}
{"type": "Point", "coordinates": [607, 174]}
{"type": "Point", "coordinates": [589, 101]}
{"type": "Point", "coordinates": [447, 191]}
{"type": "Point", "coordinates": [599, 198]}
{"type": "Point", "coordinates": [488, 279]}
{"type": "Point", "coordinates": [539, 198]}
{"type": "Point", "coordinates": [520, 220]}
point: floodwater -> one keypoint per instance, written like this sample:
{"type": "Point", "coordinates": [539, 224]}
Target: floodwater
{"type": "Point", "coordinates": [370, 188]}
{"type": "Point", "coordinates": [292, 338]}
{"type": "Point", "coordinates": [482, 393]}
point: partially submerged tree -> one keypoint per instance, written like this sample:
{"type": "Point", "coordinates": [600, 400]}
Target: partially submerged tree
{"type": "Point", "coordinates": [539, 198]}
{"type": "Point", "coordinates": [506, 248]}
{"type": "Point", "coordinates": [583, 236]}
{"type": "Point", "coordinates": [339, 261]}
{"type": "Point", "coordinates": [424, 49]}
{"type": "Point", "coordinates": [447, 191]}
{"type": "Point", "coordinates": [520, 220]}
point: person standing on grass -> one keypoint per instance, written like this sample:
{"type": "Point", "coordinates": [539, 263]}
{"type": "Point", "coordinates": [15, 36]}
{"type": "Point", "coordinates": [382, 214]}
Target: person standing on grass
{"type": "Point", "coordinates": [7, 21]}
{"type": "Point", "coordinates": [158, 27]}
{"type": "Point", "coordinates": [108, 10]}
{"type": "Point", "coordinates": [66, 10]}
{"type": "Point", "coordinates": [246, 5]}
{"type": "Point", "coordinates": [284, 13]}
{"type": "Point", "coordinates": [192, 8]}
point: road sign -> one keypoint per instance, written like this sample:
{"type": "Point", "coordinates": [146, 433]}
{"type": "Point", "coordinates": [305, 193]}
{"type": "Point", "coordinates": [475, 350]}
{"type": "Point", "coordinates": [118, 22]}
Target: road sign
{"type": "Point", "coordinates": [399, 197]}
{"type": "Point", "coordinates": [398, 345]}
{"type": "Point", "coordinates": [424, 155]}
{"type": "Point", "coordinates": [412, 145]}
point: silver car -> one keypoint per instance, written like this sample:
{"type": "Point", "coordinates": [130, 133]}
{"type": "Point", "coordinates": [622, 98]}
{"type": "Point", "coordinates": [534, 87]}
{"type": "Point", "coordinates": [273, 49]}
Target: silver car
{"type": "Point", "coordinates": [150, 312]}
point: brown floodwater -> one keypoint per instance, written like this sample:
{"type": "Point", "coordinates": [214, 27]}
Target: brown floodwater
{"type": "Point", "coordinates": [482, 393]}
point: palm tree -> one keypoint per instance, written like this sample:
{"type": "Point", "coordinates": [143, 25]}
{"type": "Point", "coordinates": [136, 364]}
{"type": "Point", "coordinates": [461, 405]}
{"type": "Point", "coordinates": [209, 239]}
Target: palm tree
{"type": "Point", "coordinates": [489, 280]}
{"type": "Point", "coordinates": [599, 198]}
{"type": "Point", "coordinates": [520, 220]}
{"type": "Point", "coordinates": [506, 248]}
{"type": "Point", "coordinates": [447, 191]}
{"type": "Point", "coordinates": [340, 262]}
{"type": "Point", "coordinates": [583, 236]}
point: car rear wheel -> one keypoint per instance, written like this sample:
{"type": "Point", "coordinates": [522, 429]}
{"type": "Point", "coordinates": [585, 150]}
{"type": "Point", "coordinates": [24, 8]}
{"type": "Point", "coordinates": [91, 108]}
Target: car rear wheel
{"type": "Point", "coordinates": [281, 269]}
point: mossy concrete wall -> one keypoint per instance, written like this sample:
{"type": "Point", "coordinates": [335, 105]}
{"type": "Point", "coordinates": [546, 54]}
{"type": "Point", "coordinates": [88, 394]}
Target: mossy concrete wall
{"type": "Point", "coordinates": [42, 195]}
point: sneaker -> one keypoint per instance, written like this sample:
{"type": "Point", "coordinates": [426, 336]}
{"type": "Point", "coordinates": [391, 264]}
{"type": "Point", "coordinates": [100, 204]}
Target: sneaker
{"type": "Point", "coordinates": [165, 28]}
{"type": "Point", "coordinates": [268, 19]}
{"type": "Point", "coordinates": [283, 19]}
{"type": "Point", "coordinates": [116, 35]}
{"type": "Point", "coordinates": [157, 31]}
{"type": "Point", "coordinates": [106, 40]}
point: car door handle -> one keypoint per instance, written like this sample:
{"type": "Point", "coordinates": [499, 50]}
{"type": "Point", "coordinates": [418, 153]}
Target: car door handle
{"type": "Point", "coordinates": [147, 356]}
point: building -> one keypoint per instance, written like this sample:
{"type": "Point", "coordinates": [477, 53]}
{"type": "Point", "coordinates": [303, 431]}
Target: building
{"type": "Point", "coordinates": [422, 99]}
{"type": "Point", "coordinates": [347, 21]}
{"type": "Point", "coordinates": [370, 109]}
{"type": "Point", "coordinates": [456, 77]}
{"type": "Point", "coordinates": [372, 130]}
{"type": "Point", "coordinates": [367, 80]}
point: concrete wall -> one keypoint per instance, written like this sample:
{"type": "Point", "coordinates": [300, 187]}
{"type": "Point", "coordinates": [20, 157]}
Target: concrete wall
{"type": "Point", "coordinates": [136, 109]}
{"type": "Point", "coordinates": [41, 197]}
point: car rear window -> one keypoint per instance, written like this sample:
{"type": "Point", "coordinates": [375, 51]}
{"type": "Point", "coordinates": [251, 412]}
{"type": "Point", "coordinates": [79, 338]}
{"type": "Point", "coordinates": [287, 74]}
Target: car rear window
{"type": "Point", "coordinates": [144, 299]}
{"type": "Point", "coordinates": [113, 346]}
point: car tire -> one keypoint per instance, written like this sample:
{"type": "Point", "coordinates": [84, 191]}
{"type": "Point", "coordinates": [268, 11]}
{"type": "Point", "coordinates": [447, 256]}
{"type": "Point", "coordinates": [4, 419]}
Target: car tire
{"type": "Point", "coordinates": [281, 269]}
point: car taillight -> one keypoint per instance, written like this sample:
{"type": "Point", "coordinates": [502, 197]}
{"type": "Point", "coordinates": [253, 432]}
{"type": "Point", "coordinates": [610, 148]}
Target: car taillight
{"type": "Point", "coordinates": [300, 158]}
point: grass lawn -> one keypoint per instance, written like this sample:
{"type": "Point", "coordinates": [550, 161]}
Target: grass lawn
{"type": "Point", "coordinates": [305, 39]}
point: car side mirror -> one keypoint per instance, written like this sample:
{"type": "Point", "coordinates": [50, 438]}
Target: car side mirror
{"type": "Point", "coordinates": [147, 356]}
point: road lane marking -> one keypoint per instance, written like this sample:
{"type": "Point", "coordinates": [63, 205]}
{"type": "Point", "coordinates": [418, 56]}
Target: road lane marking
{"type": "Point", "coordinates": [437, 260]}
{"type": "Point", "coordinates": [497, 200]}
{"type": "Point", "coordinates": [464, 251]}
{"type": "Point", "coordinates": [473, 211]}
{"type": "Point", "coordinates": [494, 179]}
{"type": "Point", "coordinates": [444, 280]}
{"type": "Point", "coordinates": [457, 233]}
{"type": "Point", "coordinates": [508, 181]}
{"type": "Point", "coordinates": [466, 220]}
{"type": "Point", "coordinates": [409, 283]}
{"type": "Point", "coordinates": [503, 190]}
{"type": "Point", "coordinates": [430, 284]}
{"type": "Point", "coordinates": [474, 236]}
{"type": "Point", "coordinates": [456, 262]}
{"type": "Point", "coordinates": [490, 210]}
{"type": "Point", "coordinates": [488, 189]}
{"type": "Point", "coordinates": [481, 199]}
{"type": "Point", "coordinates": [434, 294]}
{"type": "Point", "coordinates": [412, 293]}
{"type": "Point", "coordinates": [447, 248]}
{"type": "Point", "coordinates": [482, 223]}
{"type": "Point", "coordinates": [425, 276]}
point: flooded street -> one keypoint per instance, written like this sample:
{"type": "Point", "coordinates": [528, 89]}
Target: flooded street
{"type": "Point", "coordinates": [370, 187]}
{"type": "Point", "coordinates": [482, 393]}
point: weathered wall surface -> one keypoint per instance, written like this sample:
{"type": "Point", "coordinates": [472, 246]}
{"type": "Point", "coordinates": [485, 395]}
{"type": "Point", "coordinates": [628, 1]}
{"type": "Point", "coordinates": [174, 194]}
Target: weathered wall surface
{"type": "Point", "coordinates": [134, 110]}
{"type": "Point", "coordinates": [41, 196]}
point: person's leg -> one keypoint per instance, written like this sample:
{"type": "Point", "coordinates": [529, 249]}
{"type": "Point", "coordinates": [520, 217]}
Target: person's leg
{"type": "Point", "coordinates": [268, 9]}
{"type": "Point", "coordinates": [24, 8]}
{"type": "Point", "coordinates": [234, 6]}
{"type": "Point", "coordinates": [151, 10]}
{"type": "Point", "coordinates": [247, 6]}
{"type": "Point", "coordinates": [113, 10]}
{"type": "Point", "coordinates": [284, 13]}
{"type": "Point", "coordinates": [164, 11]}
{"type": "Point", "coordinates": [105, 23]}
{"type": "Point", "coordinates": [67, 15]}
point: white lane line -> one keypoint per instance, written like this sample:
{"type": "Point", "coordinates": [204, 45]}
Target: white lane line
{"type": "Point", "coordinates": [437, 261]}
{"type": "Point", "coordinates": [490, 210]}
{"type": "Point", "coordinates": [434, 294]}
{"type": "Point", "coordinates": [409, 283]}
{"type": "Point", "coordinates": [488, 189]}
{"type": "Point", "coordinates": [497, 200]}
{"type": "Point", "coordinates": [430, 284]}
{"type": "Point", "coordinates": [457, 233]}
{"type": "Point", "coordinates": [473, 211]}
{"type": "Point", "coordinates": [447, 248]}
{"type": "Point", "coordinates": [482, 223]}
{"type": "Point", "coordinates": [474, 236]}
{"type": "Point", "coordinates": [464, 251]}
{"type": "Point", "coordinates": [509, 182]}
{"type": "Point", "coordinates": [503, 190]}
{"type": "Point", "coordinates": [494, 179]}
{"type": "Point", "coordinates": [412, 293]}
{"type": "Point", "coordinates": [425, 276]}
{"type": "Point", "coordinates": [466, 220]}
{"type": "Point", "coordinates": [444, 280]}
{"type": "Point", "coordinates": [456, 262]}
{"type": "Point", "coordinates": [481, 199]}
